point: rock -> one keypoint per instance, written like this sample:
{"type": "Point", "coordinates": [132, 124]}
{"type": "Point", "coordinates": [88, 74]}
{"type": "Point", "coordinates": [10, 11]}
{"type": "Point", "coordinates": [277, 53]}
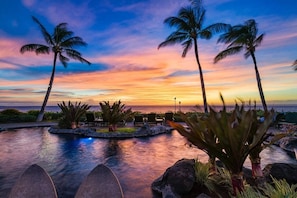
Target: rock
{"type": "Point", "coordinates": [289, 144]}
{"type": "Point", "coordinates": [144, 131]}
{"type": "Point", "coordinates": [203, 195]}
{"type": "Point", "coordinates": [177, 180]}
{"type": "Point", "coordinates": [281, 171]}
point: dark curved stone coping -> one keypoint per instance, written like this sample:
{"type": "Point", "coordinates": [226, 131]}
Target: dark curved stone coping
{"type": "Point", "coordinates": [144, 131]}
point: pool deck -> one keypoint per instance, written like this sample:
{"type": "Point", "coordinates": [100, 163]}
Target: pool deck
{"type": "Point", "coordinates": [7, 126]}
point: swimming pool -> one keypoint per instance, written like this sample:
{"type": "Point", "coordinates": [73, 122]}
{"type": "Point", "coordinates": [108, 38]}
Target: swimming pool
{"type": "Point", "coordinates": [68, 158]}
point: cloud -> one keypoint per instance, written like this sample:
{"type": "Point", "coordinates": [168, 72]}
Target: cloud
{"type": "Point", "coordinates": [28, 3]}
{"type": "Point", "coordinates": [78, 15]}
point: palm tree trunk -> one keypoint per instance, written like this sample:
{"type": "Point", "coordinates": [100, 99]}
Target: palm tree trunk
{"type": "Point", "coordinates": [259, 83]}
{"type": "Point", "coordinates": [201, 76]}
{"type": "Point", "coordinates": [255, 159]}
{"type": "Point", "coordinates": [256, 167]}
{"type": "Point", "coordinates": [237, 183]}
{"type": "Point", "coordinates": [41, 113]}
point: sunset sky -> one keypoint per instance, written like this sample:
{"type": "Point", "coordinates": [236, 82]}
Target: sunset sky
{"type": "Point", "coordinates": [123, 36]}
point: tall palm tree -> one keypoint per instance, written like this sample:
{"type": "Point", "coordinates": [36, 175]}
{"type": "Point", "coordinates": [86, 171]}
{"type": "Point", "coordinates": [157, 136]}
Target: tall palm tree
{"type": "Point", "coordinates": [61, 43]}
{"type": "Point", "coordinates": [243, 37]}
{"type": "Point", "coordinates": [189, 24]}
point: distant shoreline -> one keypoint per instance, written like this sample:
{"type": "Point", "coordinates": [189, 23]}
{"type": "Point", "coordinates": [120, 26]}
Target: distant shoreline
{"type": "Point", "coordinates": [156, 108]}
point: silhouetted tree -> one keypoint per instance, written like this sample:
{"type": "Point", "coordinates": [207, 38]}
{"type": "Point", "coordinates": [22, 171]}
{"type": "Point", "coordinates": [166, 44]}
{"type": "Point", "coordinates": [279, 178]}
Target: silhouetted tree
{"type": "Point", "coordinates": [62, 44]}
{"type": "Point", "coordinates": [243, 37]}
{"type": "Point", "coordinates": [189, 25]}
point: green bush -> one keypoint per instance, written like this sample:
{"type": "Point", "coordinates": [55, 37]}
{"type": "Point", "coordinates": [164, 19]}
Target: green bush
{"type": "Point", "coordinates": [16, 118]}
{"type": "Point", "coordinates": [4, 118]}
{"type": "Point", "coordinates": [53, 115]}
{"type": "Point", "coordinates": [11, 112]}
{"type": "Point", "coordinates": [33, 113]}
{"type": "Point", "coordinates": [26, 118]}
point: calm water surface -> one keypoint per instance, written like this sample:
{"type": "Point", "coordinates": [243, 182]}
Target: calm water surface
{"type": "Point", "coordinates": [68, 159]}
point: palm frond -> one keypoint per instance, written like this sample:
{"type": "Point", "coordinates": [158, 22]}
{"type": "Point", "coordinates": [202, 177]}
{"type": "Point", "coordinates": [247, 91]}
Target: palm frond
{"type": "Point", "coordinates": [218, 27]}
{"type": "Point", "coordinates": [258, 41]}
{"type": "Point", "coordinates": [73, 42]}
{"type": "Point", "coordinates": [200, 17]}
{"type": "Point", "coordinates": [37, 48]}
{"type": "Point", "coordinates": [187, 45]}
{"type": "Point", "coordinates": [76, 56]}
{"type": "Point", "coordinates": [247, 54]}
{"type": "Point", "coordinates": [47, 37]}
{"type": "Point", "coordinates": [177, 22]}
{"type": "Point", "coordinates": [205, 34]}
{"type": "Point", "coordinates": [63, 60]}
{"type": "Point", "coordinates": [230, 51]}
{"type": "Point", "coordinates": [61, 33]}
{"type": "Point", "coordinates": [174, 38]}
{"type": "Point", "coordinates": [196, 3]}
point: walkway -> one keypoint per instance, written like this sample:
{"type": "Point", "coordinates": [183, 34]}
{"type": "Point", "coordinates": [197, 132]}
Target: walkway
{"type": "Point", "coordinates": [7, 126]}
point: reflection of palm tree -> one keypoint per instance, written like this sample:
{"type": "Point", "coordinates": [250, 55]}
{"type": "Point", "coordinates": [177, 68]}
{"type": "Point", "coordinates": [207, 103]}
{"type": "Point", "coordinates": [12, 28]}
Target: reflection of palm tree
{"type": "Point", "coordinates": [242, 37]}
{"type": "Point", "coordinates": [61, 43]}
{"type": "Point", "coordinates": [112, 153]}
{"type": "Point", "coordinates": [189, 24]}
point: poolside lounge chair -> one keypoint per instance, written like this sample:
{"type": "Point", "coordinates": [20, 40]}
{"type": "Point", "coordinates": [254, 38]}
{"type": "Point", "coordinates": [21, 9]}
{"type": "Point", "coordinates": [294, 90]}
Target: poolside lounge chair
{"type": "Point", "coordinates": [153, 119]}
{"type": "Point", "coordinates": [138, 120]}
{"type": "Point", "coordinates": [90, 118]}
{"type": "Point", "coordinates": [168, 117]}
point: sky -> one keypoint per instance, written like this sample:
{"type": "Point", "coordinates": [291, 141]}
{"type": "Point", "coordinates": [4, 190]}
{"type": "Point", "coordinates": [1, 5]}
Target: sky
{"type": "Point", "coordinates": [123, 38]}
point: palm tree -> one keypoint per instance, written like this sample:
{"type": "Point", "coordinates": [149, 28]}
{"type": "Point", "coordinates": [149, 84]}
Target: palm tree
{"type": "Point", "coordinates": [189, 24]}
{"type": "Point", "coordinates": [61, 43]}
{"type": "Point", "coordinates": [243, 37]}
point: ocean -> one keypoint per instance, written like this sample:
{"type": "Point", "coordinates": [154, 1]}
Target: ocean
{"type": "Point", "coordinates": [154, 108]}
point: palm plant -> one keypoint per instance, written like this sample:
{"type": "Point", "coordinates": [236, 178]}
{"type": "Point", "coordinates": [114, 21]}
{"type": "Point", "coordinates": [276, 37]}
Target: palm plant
{"type": "Point", "coordinates": [236, 134]}
{"type": "Point", "coordinates": [72, 113]}
{"type": "Point", "coordinates": [243, 37]}
{"type": "Point", "coordinates": [189, 24]}
{"type": "Point", "coordinates": [62, 44]}
{"type": "Point", "coordinates": [114, 113]}
{"type": "Point", "coordinates": [265, 142]}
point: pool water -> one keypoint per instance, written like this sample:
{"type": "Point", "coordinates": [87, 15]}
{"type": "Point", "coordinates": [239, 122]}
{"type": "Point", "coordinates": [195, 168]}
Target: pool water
{"type": "Point", "coordinates": [68, 159]}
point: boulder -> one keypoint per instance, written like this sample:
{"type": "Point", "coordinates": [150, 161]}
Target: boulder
{"type": "Point", "coordinates": [281, 171]}
{"type": "Point", "coordinates": [177, 180]}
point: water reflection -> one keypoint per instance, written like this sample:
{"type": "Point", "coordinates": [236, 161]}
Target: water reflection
{"type": "Point", "coordinates": [68, 159]}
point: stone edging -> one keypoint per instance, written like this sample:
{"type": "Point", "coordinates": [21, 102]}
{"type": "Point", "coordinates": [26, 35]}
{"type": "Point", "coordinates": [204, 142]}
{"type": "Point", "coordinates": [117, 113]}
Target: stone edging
{"type": "Point", "coordinates": [144, 131]}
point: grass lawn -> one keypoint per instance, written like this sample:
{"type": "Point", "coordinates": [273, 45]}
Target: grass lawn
{"type": "Point", "coordinates": [120, 129]}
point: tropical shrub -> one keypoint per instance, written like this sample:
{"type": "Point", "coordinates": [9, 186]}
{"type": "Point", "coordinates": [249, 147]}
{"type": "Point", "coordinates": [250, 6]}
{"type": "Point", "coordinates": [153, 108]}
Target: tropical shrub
{"type": "Point", "coordinates": [279, 188]}
{"type": "Point", "coordinates": [14, 115]}
{"type": "Point", "coordinates": [115, 113]}
{"type": "Point", "coordinates": [72, 114]}
{"type": "Point", "coordinates": [11, 112]}
{"type": "Point", "coordinates": [230, 137]}
{"type": "Point", "coordinates": [33, 113]}
{"type": "Point", "coordinates": [217, 183]}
